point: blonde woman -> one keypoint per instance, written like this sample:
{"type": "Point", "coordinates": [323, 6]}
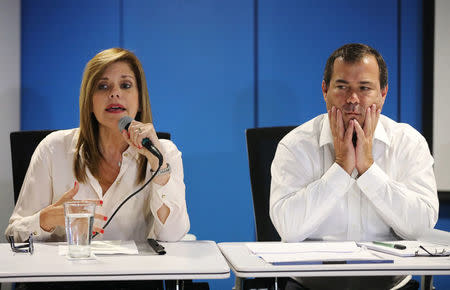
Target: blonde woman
{"type": "Point", "coordinates": [98, 162]}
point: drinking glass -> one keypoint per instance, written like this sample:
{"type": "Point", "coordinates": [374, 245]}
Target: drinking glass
{"type": "Point", "coordinates": [79, 217]}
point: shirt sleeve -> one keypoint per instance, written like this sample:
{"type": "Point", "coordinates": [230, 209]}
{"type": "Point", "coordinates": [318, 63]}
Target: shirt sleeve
{"type": "Point", "coordinates": [408, 203]}
{"type": "Point", "coordinates": [172, 194]}
{"type": "Point", "coordinates": [300, 202]}
{"type": "Point", "coordinates": [36, 194]}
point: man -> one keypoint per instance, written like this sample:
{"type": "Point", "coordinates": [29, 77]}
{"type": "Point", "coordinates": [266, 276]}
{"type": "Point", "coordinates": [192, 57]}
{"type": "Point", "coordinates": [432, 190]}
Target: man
{"type": "Point", "coordinates": [353, 174]}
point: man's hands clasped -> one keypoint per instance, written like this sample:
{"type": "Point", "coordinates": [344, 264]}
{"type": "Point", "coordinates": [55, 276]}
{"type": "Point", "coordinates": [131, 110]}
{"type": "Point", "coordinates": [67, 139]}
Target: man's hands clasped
{"type": "Point", "coordinates": [347, 155]}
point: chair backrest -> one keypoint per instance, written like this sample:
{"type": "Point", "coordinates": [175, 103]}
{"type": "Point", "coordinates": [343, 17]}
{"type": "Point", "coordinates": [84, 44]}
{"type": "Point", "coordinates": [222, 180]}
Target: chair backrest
{"type": "Point", "coordinates": [261, 146]}
{"type": "Point", "coordinates": [23, 144]}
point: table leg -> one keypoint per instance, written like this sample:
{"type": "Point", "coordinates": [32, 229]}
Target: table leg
{"type": "Point", "coordinates": [426, 283]}
{"type": "Point", "coordinates": [238, 283]}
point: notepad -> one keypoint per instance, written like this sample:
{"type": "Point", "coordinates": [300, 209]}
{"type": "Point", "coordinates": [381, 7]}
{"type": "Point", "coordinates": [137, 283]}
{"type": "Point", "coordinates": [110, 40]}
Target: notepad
{"type": "Point", "coordinates": [307, 253]}
{"type": "Point", "coordinates": [412, 248]}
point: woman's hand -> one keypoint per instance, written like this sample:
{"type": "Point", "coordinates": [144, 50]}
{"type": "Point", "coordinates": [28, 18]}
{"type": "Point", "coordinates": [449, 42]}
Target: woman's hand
{"type": "Point", "coordinates": [134, 136]}
{"type": "Point", "coordinates": [53, 215]}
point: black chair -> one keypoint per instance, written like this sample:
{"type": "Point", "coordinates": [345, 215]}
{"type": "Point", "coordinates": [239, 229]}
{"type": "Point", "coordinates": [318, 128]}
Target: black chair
{"type": "Point", "coordinates": [261, 146]}
{"type": "Point", "coordinates": [23, 144]}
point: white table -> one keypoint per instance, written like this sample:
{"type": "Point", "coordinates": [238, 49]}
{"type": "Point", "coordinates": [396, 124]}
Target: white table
{"type": "Point", "coordinates": [247, 265]}
{"type": "Point", "coordinates": [184, 260]}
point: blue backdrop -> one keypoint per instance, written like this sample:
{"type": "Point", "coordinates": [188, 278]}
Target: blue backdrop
{"type": "Point", "coordinates": [214, 69]}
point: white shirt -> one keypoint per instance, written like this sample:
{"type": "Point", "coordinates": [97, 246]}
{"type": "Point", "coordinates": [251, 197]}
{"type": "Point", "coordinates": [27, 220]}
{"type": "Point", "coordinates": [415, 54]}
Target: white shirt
{"type": "Point", "coordinates": [313, 197]}
{"type": "Point", "coordinates": [50, 175]}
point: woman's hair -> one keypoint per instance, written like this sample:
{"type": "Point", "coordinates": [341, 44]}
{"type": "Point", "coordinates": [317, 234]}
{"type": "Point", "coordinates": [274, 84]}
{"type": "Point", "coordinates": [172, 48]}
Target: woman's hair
{"type": "Point", "coordinates": [88, 153]}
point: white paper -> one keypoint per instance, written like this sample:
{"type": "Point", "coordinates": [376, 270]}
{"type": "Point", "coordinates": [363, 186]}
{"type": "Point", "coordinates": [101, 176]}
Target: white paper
{"type": "Point", "coordinates": [314, 252]}
{"type": "Point", "coordinates": [107, 248]}
{"type": "Point", "coordinates": [436, 236]}
{"type": "Point", "coordinates": [319, 257]}
{"type": "Point", "coordinates": [304, 247]}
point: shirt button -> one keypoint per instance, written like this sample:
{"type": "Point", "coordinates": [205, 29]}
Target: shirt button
{"type": "Point", "coordinates": [118, 182]}
{"type": "Point", "coordinates": [125, 155]}
{"type": "Point", "coordinates": [34, 233]}
{"type": "Point", "coordinates": [163, 196]}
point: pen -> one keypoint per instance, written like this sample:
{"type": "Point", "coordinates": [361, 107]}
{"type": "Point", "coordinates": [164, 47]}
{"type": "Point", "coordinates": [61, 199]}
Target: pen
{"type": "Point", "coordinates": [156, 247]}
{"type": "Point", "coordinates": [395, 246]}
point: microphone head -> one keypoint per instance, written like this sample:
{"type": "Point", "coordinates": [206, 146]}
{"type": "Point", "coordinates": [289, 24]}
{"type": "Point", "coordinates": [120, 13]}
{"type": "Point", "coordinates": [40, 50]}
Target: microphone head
{"type": "Point", "coordinates": [124, 123]}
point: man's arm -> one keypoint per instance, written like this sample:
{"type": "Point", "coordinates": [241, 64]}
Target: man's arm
{"type": "Point", "coordinates": [407, 200]}
{"type": "Point", "coordinates": [409, 204]}
{"type": "Point", "coordinates": [301, 199]}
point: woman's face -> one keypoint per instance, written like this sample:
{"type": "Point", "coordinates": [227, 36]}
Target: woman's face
{"type": "Point", "coordinates": [115, 95]}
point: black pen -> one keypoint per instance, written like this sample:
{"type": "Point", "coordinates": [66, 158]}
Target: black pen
{"type": "Point", "coordinates": [395, 246]}
{"type": "Point", "coordinates": [156, 247]}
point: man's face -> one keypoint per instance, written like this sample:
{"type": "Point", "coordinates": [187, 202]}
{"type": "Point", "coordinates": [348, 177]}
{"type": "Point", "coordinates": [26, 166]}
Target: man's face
{"type": "Point", "coordinates": [354, 87]}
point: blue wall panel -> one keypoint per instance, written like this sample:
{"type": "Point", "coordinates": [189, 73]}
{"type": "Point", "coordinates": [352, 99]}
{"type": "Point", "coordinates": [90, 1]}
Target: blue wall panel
{"type": "Point", "coordinates": [58, 38]}
{"type": "Point", "coordinates": [198, 60]}
{"type": "Point", "coordinates": [295, 40]}
{"type": "Point", "coordinates": [199, 65]}
{"type": "Point", "coordinates": [411, 63]}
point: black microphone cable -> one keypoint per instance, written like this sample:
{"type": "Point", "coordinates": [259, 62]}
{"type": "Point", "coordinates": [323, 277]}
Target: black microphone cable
{"type": "Point", "coordinates": [128, 198]}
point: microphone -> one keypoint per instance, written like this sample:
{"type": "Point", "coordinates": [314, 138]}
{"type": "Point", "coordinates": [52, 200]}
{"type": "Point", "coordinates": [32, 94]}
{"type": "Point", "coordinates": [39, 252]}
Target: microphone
{"type": "Point", "coordinates": [124, 124]}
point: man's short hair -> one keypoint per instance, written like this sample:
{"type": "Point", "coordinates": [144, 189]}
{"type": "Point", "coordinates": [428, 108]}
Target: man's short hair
{"type": "Point", "coordinates": [354, 52]}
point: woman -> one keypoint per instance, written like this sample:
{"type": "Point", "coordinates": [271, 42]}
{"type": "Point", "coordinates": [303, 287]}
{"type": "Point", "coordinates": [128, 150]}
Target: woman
{"type": "Point", "coordinates": [98, 162]}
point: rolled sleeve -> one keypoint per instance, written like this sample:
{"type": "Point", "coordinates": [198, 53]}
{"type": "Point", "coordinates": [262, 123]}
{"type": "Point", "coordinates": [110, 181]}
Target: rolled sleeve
{"type": "Point", "coordinates": [337, 178]}
{"type": "Point", "coordinates": [372, 181]}
{"type": "Point", "coordinates": [172, 194]}
{"type": "Point", "coordinates": [28, 225]}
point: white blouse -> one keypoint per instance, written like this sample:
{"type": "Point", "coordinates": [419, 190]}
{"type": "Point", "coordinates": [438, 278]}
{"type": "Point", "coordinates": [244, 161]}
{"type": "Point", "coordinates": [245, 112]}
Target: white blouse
{"type": "Point", "coordinates": [50, 175]}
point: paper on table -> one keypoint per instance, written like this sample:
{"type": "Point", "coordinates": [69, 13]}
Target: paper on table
{"type": "Point", "coordinates": [436, 236]}
{"type": "Point", "coordinates": [412, 248]}
{"type": "Point", "coordinates": [314, 253]}
{"type": "Point", "coordinates": [304, 247]}
{"type": "Point", "coordinates": [107, 248]}
{"type": "Point", "coordinates": [359, 257]}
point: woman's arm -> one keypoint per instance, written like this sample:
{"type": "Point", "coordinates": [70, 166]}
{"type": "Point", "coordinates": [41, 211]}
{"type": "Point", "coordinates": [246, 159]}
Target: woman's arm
{"type": "Point", "coordinates": [36, 194]}
{"type": "Point", "coordinates": [168, 203]}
